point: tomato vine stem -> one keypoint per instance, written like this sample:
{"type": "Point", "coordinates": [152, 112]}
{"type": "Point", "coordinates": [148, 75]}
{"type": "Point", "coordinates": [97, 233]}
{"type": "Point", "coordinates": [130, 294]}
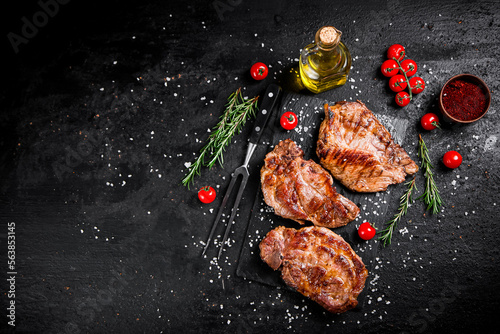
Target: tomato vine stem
{"type": "Point", "coordinates": [406, 77]}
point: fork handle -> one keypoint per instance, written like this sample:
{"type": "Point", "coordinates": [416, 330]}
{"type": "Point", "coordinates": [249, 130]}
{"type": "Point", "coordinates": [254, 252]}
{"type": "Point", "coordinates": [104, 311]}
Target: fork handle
{"type": "Point", "coordinates": [270, 97]}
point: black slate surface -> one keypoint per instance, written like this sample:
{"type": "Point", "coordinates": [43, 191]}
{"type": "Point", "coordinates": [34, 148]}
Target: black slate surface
{"type": "Point", "coordinates": [105, 104]}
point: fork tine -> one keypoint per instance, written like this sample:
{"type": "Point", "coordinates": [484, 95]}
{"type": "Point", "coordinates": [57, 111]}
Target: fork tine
{"type": "Point", "coordinates": [219, 213]}
{"type": "Point", "coordinates": [233, 213]}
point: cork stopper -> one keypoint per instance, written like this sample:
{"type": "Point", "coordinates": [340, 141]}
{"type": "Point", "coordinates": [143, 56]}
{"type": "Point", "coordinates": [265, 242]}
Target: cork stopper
{"type": "Point", "coordinates": [329, 36]}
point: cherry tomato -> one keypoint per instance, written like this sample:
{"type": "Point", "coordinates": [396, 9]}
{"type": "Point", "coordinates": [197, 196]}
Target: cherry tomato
{"type": "Point", "coordinates": [452, 159]}
{"type": "Point", "coordinates": [288, 120]}
{"type": "Point", "coordinates": [389, 68]}
{"type": "Point", "coordinates": [206, 194]}
{"type": "Point", "coordinates": [396, 51]}
{"type": "Point", "coordinates": [259, 71]}
{"type": "Point", "coordinates": [409, 66]}
{"type": "Point", "coordinates": [366, 231]}
{"type": "Point", "coordinates": [402, 99]}
{"type": "Point", "coordinates": [397, 83]}
{"type": "Point", "coordinates": [429, 121]}
{"type": "Point", "coordinates": [417, 85]}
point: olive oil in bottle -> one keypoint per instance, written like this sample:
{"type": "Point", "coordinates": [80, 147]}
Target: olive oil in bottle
{"type": "Point", "coordinates": [326, 63]}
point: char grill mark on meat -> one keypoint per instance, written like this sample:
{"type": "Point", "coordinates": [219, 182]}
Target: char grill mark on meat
{"type": "Point", "coordinates": [359, 151]}
{"type": "Point", "coordinates": [302, 190]}
{"type": "Point", "coordinates": [317, 263]}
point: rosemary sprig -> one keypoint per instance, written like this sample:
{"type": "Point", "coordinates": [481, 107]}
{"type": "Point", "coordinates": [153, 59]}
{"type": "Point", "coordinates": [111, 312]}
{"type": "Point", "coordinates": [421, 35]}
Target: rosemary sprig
{"type": "Point", "coordinates": [431, 195]}
{"type": "Point", "coordinates": [404, 203]}
{"type": "Point", "coordinates": [237, 112]}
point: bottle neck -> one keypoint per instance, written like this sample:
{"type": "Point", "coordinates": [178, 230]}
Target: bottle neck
{"type": "Point", "coordinates": [328, 49]}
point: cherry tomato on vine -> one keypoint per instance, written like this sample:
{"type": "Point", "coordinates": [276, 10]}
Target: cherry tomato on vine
{"type": "Point", "coordinates": [389, 68]}
{"type": "Point", "coordinates": [417, 85]}
{"type": "Point", "coordinates": [409, 66]}
{"type": "Point", "coordinates": [396, 51]}
{"type": "Point", "coordinates": [259, 71]}
{"type": "Point", "coordinates": [452, 159]}
{"type": "Point", "coordinates": [288, 120]}
{"type": "Point", "coordinates": [206, 194]}
{"type": "Point", "coordinates": [366, 231]}
{"type": "Point", "coordinates": [397, 83]}
{"type": "Point", "coordinates": [402, 99]}
{"type": "Point", "coordinates": [429, 121]}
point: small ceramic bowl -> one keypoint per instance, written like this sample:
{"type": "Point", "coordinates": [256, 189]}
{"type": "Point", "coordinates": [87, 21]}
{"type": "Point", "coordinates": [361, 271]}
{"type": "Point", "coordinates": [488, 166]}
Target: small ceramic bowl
{"type": "Point", "coordinates": [472, 79]}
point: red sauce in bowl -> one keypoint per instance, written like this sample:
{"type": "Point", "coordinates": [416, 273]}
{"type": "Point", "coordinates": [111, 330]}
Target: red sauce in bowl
{"type": "Point", "coordinates": [464, 100]}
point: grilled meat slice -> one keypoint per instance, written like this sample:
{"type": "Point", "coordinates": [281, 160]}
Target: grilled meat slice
{"type": "Point", "coordinates": [318, 263]}
{"type": "Point", "coordinates": [359, 151]}
{"type": "Point", "coordinates": [302, 190]}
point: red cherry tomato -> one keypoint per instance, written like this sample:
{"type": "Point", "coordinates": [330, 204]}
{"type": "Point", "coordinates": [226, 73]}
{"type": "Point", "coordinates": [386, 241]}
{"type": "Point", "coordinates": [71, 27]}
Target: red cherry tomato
{"type": "Point", "coordinates": [402, 99]}
{"type": "Point", "coordinates": [259, 71]}
{"type": "Point", "coordinates": [409, 66]}
{"type": "Point", "coordinates": [396, 51]}
{"type": "Point", "coordinates": [429, 121]}
{"type": "Point", "coordinates": [366, 231]}
{"type": "Point", "coordinates": [397, 83]}
{"type": "Point", "coordinates": [288, 120]}
{"type": "Point", "coordinates": [452, 159]}
{"type": "Point", "coordinates": [206, 194]}
{"type": "Point", "coordinates": [417, 85]}
{"type": "Point", "coordinates": [389, 68]}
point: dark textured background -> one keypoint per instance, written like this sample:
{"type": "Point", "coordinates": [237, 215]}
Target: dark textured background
{"type": "Point", "coordinates": [107, 102]}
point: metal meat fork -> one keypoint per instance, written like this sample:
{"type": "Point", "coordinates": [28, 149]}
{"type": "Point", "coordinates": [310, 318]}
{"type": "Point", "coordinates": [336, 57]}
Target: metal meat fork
{"type": "Point", "coordinates": [271, 96]}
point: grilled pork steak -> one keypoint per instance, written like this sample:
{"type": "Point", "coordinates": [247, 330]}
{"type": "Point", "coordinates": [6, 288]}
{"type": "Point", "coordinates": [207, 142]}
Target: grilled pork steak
{"type": "Point", "coordinates": [302, 190]}
{"type": "Point", "coordinates": [317, 263]}
{"type": "Point", "coordinates": [359, 151]}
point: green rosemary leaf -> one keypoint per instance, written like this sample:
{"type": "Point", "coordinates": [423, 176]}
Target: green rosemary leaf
{"type": "Point", "coordinates": [431, 195]}
{"type": "Point", "coordinates": [404, 202]}
{"type": "Point", "coordinates": [237, 112]}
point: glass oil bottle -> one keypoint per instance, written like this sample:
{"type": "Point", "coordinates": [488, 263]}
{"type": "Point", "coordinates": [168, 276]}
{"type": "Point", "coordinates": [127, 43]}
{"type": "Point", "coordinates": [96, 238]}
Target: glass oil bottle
{"type": "Point", "coordinates": [326, 63]}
